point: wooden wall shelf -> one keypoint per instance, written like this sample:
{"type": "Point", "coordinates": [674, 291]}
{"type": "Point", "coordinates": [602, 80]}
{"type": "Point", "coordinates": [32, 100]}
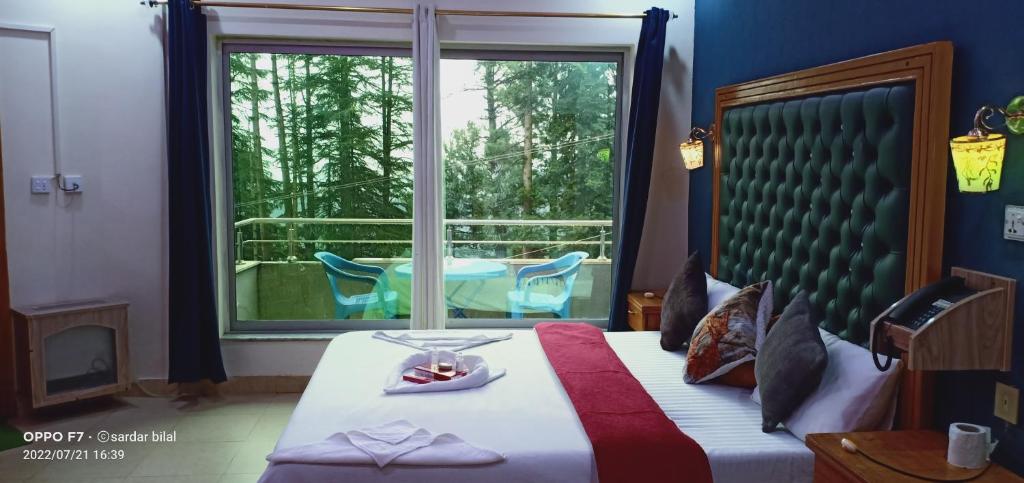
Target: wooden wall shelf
{"type": "Point", "coordinates": [975, 333]}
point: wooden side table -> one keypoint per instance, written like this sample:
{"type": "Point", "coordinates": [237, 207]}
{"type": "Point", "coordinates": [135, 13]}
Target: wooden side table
{"type": "Point", "coordinates": [644, 312]}
{"type": "Point", "coordinates": [919, 452]}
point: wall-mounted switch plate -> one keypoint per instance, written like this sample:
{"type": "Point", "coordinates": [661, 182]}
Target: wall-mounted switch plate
{"type": "Point", "coordinates": [1013, 227]}
{"type": "Point", "coordinates": [41, 184]}
{"type": "Point", "coordinates": [1007, 398]}
{"type": "Point", "coordinates": [73, 184]}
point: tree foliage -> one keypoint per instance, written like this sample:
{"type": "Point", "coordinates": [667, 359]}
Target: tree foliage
{"type": "Point", "coordinates": [330, 136]}
{"type": "Point", "coordinates": [544, 155]}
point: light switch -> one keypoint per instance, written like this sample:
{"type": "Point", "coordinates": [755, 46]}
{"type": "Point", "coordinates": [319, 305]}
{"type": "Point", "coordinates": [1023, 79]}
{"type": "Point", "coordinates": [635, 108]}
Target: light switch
{"type": "Point", "coordinates": [41, 184]}
{"type": "Point", "coordinates": [1013, 227]}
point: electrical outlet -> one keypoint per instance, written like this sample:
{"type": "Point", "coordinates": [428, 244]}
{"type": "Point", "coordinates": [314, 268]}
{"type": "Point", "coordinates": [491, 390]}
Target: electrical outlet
{"type": "Point", "coordinates": [40, 184]}
{"type": "Point", "coordinates": [1013, 228]}
{"type": "Point", "coordinates": [1007, 398]}
{"type": "Point", "coordinates": [73, 184]}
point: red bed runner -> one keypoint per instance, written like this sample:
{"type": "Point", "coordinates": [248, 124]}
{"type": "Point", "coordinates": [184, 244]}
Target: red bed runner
{"type": "Point", "coordinates": [632, 438]}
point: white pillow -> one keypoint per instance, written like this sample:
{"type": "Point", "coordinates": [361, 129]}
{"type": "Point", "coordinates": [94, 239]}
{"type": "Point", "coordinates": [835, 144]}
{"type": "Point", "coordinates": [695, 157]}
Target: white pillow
{"type": "Point", "coordinates": [718, 291]}
{"type": "Point", "coordinates": [853, 394]}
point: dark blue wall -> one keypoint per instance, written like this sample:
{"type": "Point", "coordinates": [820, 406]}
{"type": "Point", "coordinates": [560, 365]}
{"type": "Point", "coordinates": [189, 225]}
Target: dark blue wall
{"type": "Point", "coordinates": [738, 40]}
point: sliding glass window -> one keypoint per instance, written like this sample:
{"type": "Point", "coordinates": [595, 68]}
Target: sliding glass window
{"type": "Point", "coordinates": [530, 163]}
{"type": "Point", "coordinates": [319, 168]}
{"type": "Point", "coordinates": [320, 159]}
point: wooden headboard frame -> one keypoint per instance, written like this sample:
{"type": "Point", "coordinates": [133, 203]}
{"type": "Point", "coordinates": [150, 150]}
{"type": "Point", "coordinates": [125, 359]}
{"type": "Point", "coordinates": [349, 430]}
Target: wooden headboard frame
{"type": "Point", "coordinates": [929, 67]}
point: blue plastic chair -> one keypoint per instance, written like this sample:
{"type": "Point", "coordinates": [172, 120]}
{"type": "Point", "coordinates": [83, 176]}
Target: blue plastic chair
{"type": "Point", "coordinates": [562, 270]}
{"type": "Point", "coordinates": [380, 295]}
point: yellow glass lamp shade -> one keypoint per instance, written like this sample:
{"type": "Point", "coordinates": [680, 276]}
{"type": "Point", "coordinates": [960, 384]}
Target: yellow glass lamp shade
{"type": "Point", "coordinates": [693, 153]}
{"type": "Point", "coordinates": [978, 161]}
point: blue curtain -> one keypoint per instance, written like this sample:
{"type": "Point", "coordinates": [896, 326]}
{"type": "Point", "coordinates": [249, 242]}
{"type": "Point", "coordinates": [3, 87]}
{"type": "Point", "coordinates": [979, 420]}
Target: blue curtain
{"type": "Point", "coordinates": [643, 121]}
{"type": "Point", "coordinates": [194, 335]}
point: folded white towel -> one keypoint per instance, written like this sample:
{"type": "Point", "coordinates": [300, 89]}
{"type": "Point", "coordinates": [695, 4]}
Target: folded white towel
{"type": "Point", "coordinates": [429, 341]}
{"type": "Point", "coordinates": [478, 374]}
{"type": "Point", "coordinates": [398, 442]}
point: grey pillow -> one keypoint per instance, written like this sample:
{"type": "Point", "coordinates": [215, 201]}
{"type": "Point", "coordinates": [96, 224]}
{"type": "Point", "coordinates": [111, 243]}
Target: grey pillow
{"type": "Point", "coordinates": [790, 364]}
{"type": "Point", "coordinates": [685, 303]}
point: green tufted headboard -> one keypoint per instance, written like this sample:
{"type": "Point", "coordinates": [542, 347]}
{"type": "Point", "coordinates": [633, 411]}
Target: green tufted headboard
{"type": "Point", "coordinates": [832, 180]}
{"type": "Point", "coordinates": [814, 196]}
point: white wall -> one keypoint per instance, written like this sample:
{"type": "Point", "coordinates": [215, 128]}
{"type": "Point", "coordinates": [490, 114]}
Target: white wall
{"type": "Point", "coordinates": [111, 240]}
{"type": "Point", "coordinates": [108, 241]}
{"type": "Point", "coordinates": [664, 246]}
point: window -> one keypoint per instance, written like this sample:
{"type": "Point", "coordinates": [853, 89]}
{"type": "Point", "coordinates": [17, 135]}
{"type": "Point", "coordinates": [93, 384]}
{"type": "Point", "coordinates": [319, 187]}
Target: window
{"type": "Point", "coordinates": [321, 168]}
{"type": "Point", "coordinates": [321, 173]}
{"type": "Point", "coordinates": [529, 164]}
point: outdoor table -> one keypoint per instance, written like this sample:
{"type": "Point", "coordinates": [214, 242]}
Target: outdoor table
{"type": "Point", "coordinates": [462, 270]}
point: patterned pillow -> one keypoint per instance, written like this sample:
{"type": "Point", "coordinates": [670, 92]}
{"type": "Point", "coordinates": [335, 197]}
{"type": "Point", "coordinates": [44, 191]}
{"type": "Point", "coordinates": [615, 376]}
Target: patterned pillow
{"type": "Point", "coordinates": [730, 335]}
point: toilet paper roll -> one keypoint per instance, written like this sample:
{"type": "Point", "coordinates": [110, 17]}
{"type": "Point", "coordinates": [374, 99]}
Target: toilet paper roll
{"type": "Point", "coordinates": [969, 445]}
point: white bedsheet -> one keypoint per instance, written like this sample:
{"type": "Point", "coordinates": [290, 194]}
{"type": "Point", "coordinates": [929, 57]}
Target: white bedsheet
{"type": "Point", "coordinates": [722, 419]}
{"type": "Point", "coordinates": [526, 416]}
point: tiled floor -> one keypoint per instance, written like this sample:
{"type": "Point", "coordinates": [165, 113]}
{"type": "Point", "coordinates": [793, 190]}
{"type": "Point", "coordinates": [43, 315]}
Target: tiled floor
{"type": "Point", "coordinates": [217, 440]}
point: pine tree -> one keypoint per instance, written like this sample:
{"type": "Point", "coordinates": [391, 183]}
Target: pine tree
{"type": "Point", "coordinates": [310, 202]}
{"type": "Point", "coordinates": [298, 161]}
{"type": "Point", "coordinates": [257, 170]}
{"type": "Point", "coordinates": [282, 141]}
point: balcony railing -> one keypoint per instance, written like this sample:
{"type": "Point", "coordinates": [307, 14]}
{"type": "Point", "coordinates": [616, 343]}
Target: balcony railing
{"type": "Point", "coordinates": [274, 280]}
{"type": "Point", "coordinates": [248, 246]}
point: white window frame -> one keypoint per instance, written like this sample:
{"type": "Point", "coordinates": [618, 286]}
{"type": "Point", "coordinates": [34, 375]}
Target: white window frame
{"type": "Point", "coordinates": [224, 193]}
{"type": "Point", "coordinates": [228, 255]}
{"type": "Point", "coordinates": [491, 52]}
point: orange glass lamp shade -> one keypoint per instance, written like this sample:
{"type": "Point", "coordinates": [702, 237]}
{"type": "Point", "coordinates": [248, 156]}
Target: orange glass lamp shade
{"type": "Point", "coordinates": [693, 149]}
{"type": "Point", "coordinates": [978, 161]}
{"type": "Point", "coordinates": [693, 153]}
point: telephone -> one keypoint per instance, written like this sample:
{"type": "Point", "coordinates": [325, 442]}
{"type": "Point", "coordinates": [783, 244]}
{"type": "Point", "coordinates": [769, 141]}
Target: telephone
{"type": "Point", "coordinates": [916, 309]}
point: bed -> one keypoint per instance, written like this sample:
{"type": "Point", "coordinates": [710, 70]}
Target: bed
{"type": "Point", "coordinates": [857, 238]}
{"type": "Point", "coordinates": [527, 416]}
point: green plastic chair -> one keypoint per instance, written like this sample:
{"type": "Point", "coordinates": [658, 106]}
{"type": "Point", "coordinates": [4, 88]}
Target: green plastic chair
{"type": "Point", "coordinates": [379, 297]}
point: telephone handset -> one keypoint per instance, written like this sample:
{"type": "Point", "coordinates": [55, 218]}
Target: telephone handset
{"type": "Point", "coordinates": [917, 309]}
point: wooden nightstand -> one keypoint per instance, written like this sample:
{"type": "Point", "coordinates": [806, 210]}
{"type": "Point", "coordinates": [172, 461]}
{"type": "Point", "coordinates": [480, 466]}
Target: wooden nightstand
{"type": "Point", "coordinates": [644, 312]}
{"type": "Point", "coordinates": [919, 452]}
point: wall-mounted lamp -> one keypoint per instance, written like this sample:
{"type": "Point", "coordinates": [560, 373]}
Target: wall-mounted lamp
{"type": "Point", "coordinates": [693, 149]}
{"type": "Point", "coordinates": [978, 156]}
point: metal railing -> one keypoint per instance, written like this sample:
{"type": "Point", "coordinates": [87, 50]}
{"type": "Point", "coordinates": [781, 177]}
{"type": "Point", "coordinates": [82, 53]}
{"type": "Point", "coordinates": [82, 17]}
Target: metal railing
{"type": "Point", "coordinates": [600, 240]}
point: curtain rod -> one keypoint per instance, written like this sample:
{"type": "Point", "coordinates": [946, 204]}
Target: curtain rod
{"type": "Point", "coordinates": [406, 11]}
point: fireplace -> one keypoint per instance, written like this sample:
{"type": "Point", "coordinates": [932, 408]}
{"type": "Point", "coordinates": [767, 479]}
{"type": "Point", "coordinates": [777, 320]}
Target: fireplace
{"type": "Point", "coordinates": [71, 351]}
